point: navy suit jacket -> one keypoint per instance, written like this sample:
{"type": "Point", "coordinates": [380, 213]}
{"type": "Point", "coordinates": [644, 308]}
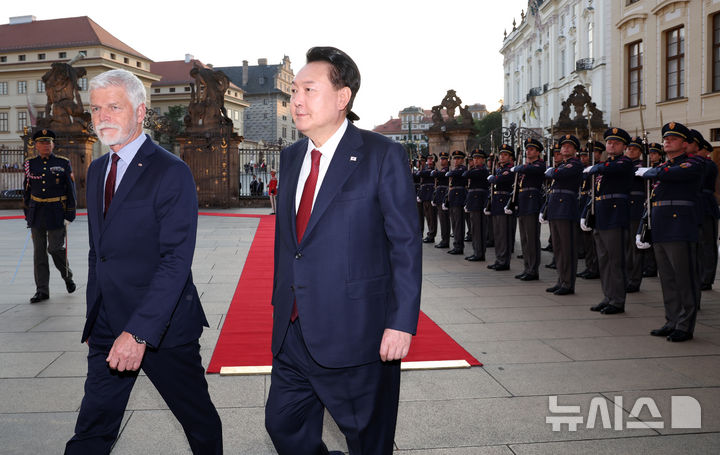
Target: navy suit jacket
{"type": "Point", "coordinates": [141, 252]}
{"type": "Point", "coordinates": [357, 270]}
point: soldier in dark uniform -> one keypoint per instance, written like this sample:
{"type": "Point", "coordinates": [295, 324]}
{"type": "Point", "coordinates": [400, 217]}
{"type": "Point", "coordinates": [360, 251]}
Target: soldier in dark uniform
{"type": "Point", "coordinates": [675, 232]}
{"type": "Point", "coordinates": [475, 203]}
{"type": "Point", "coordinates": [709, 213]}
{"type": "Point", "coordinates": [591, 271]}
{"type": "Point", "coordinates": [613, 181]}
{"type": "Point", "coordinates": [438, 199]}
{"type": "Point", "coordinates": [657, 156]}
{"type": "Point", "coordinates": [633, 256]}
{"type": "Point", "coordinates": [425, 194]}
{"type": "Point", "coordinates": [49, 204]}
{"type": "Point", "coordinates": [420, 163]}
{"type": "Point", "coordinates": [555, 160]}
{"type": "Point", "coordinates": [502, 182]}
{"type": "Point", "coordinates": [456, 200]}
{"type": "Point", "coordinates": [563, 214]}
{"type": "Point", "coordinates": [531, 175]}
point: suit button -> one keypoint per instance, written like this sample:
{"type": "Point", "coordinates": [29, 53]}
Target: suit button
{"type": "Point", "coordinates": [298, 255]}
{"type": "Point", "coordinates": [674, 215]}
{"type": "Point", "coordinates": [102, 258]}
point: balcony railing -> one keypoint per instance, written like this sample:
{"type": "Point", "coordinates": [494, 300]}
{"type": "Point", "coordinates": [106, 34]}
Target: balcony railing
{"type": "Point", "coordinates": [584, 64]}
{"type": "Point", "coordinates": [535, 91]}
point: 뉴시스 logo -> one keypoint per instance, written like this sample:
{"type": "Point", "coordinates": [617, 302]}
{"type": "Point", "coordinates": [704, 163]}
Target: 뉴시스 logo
{"type": "Point", "coordinates": [685, 412]}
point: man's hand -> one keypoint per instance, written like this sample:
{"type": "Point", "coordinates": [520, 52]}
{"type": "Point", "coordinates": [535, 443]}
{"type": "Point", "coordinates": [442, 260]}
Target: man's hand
{"type": "Point", "coordinates": [395, 345]}
{"type": "Point", "coordinates": [126, 353]}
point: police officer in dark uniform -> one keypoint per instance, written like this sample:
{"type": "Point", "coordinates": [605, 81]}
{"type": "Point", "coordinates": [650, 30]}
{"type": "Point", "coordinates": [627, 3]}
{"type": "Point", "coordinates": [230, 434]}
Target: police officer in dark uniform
{"type": "Point", "coordinates": [675, 232]}
{"type": "Point", "coordinates": [49, 204]}
{"type": "Point", "coordinates": [502, 182]}
{"type": "Point", "coordinates": [475, 203]}
{"type": "Point", "coordinates": [708, 249]}
{"type": "Point", "coordinates": [419, 164]}
{"type": "Point", "coordinates": [456, 200]}
{"type": "Point", "coordinates": [657, 156]}
{"type": "Point", "coordinates": [531, 176]}
{"type": "Point", "coordinates": [633, 256]}
{"type": "Point", "coordinates": [439, 197]}
{"type": "Point", "coordinates": [591, 271]}
{"type": "Point", "coordinates": [425, 194]}
{"type": "Point", "coordinates": [613, 181]}
{"type": "Point", "coordinates": [563, 213]}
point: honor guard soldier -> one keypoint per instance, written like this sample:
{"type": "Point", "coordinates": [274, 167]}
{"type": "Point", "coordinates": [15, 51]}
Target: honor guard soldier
{"type": "Point", "coordinates": [709, 213]}
{"type": "Point", "coordinates": [502, 182]}
{"type": "Point", "coordinates": [634, 256]}
{"type": "Point", "coordinates": [439, 197]}
{"type": "Point", "coordinates": [531, 176]}
{"type": "Point", "coordinates": [456, 200]}
{"type": "Point", "coordinates": [425, 195]}
{"type": "Point", "coordinates": [591, 271]}
{"type": "Point", "coordinates": [657, 156]}
{"type": "Point", "coordinates": [49, 204]}
{"type": "Point", "coordinates": [674, 223]}
{"type": "Point", "coordinates": [475, 203]}
{"type": "Point", "coordinates": [420, 163]}
{"type": "Point", "coordinates": [563, 213]}
{"type": "Point", "coordinates": [613, 181]}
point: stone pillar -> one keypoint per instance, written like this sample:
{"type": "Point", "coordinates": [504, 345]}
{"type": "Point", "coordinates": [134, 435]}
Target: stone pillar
{"type": "Point", "coordinates": [213, 162]}
{"type": "Point", "coordinates": [458, 140]}
{"type": "Point", "coordinates": [437, 142]}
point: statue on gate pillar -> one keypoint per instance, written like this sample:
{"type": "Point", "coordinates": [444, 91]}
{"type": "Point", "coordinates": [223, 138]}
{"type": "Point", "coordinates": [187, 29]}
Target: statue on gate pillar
{"type": "Point", "coordinates": [64, 110]}
{"type": "Point", "coordinates": [207, 101]}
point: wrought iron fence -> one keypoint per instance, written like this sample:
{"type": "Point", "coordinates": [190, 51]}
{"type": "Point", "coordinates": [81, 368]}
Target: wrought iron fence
{"type": "Point", "coordinates": [257, 162]}
{"type": "Point", "coordinates": [511, 135]}
{"type": "Point", "coordinates": [11, 171]}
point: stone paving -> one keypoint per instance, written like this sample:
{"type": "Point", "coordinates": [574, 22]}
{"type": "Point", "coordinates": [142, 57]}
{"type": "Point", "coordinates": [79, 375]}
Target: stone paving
{"type": "Point", "coordinates": [534, 345]}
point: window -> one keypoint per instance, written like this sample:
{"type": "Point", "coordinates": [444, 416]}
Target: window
{"type": "Point", "coordinates": [157, 90]}
{"type": "Point", "coordinates": [714, 133]}
{"type": "Point", "coordinates": [40, 87]}
{"type": "Point", "coordinates": [22, 87]}
{"type": "Point", "coordinates": [22, 120]}
{"type": "Point", "coordinates": [284, 117]}
{"type": "Point", "coordinates": [265, 101]}
{"type": "Point", "coordinates": [3, 88]}
{"type": "Point", "coordinates": [716, 52]}
{"type": "Point", "coordinates": [284, 130]}
{"type": "Point", "coordinates": [675, 63]}
{"type": "Point", "coordinates": [187, 89]}
{"type": "Point", "coordinates": [172, 89]}
{"type": "Point", "coordinates": [261, 80]}
{"type": "Point", "coordinates": [83, 53]}
{"type": "Point", "coordinates": [4, 122]}
{"type": "Point", "coordinates": [635, 79]}
{"type": "Point", "coordinates": [630, 2]}
{"type": "Point", "coordinates": [62, 54]}
{"type": "Point", "coordinates": [3, 58]}
{"type": "Point", "coordinates": [113, 56]}
{"type": "Point", "coordinates": [21, 58]}
{"type": "Point", "coordinates": [41, 56]}
{"type": "Point", "coordinates": [284, 103]}
{"type": "Point", "coordinates": [83, 84]}
{"type": "Point", "coordinates": [126, 60]}
{"type": "Point", "coordinates": [138, 64]}
{"type": "Point", "coordinates": [265, 116]}
{"type": "Point", "coordinates": [292, 134]}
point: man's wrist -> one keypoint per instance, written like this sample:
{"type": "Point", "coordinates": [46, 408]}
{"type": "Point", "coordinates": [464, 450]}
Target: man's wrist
{"type": "Point", "coordinates": [139, 340]}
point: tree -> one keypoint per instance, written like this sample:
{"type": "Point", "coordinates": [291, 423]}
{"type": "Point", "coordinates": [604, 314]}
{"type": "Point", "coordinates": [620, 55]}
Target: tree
{"type": "Point", "coordinates": [171, 125]}
{"type": "Point", "coordinates": [488, 123]}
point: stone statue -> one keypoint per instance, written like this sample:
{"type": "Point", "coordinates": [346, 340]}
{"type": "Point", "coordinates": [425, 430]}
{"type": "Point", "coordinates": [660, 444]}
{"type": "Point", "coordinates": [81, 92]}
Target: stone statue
{"type": "Point", "coordinates": [437, 117]}
{"type": "Point", "coordinates": [579, 100]}
{"type": "Point", "coordinates": [207, 99]}
{"type": "Point", "coordinates": [450, 103]}
{"type": "Point", "coordinates": [467, 118]}
{"type": "Point", "coordinates": [64, 108]}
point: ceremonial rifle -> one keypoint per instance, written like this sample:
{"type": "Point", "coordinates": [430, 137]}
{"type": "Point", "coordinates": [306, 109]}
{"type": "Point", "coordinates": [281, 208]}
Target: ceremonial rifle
{"type": "Point", "coordinates": [646, 226]}
{"type": "Point", "coordinates": [493, 155]}
{"type": "Point", "coordinates": [590, 218]}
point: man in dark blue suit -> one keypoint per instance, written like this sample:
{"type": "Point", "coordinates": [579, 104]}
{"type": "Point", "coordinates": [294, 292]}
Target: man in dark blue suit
{"type": "Point", "coordinates": [143, 310]}
{"type": "Point", "coordinates": [346, 292]}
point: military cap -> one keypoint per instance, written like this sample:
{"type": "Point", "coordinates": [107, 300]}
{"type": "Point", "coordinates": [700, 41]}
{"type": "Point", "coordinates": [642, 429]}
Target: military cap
{"type": "Point", "coordinates": [445, 155]}
{"type": "Point", "coordinates": [707, 146]}
{"type": "Point", "coordinates": [433, 156]}
{"type": "Point", "coordinates": [655, 147]}
{"type": "Point", "coordinates": [505, 148]}
{"type": "Point", "coordinates": [556, 146]}
{"type": "Point", "coordinates": [617, 134]}
{"type": "Point", "coordinates": [583, 151]}
{"type": "Point", "coordinates": [44, 135]}
{"type": "Point", "coordinates": [570, 139]}
{"type": "Point", "coordinates": [676, 129]}
{"type": "Point", "coordinates": [696, 136]}
{"type": "Point", "coordinates": [458, 154]}
{"type": "Point", "coordinates": [532, 142]}
{"type": "Point", "coordinates": [598, 146]}
{"type": "Point", "coordinates": [636, 142]}
{"type": "Point", "coordinates": [479, 153]}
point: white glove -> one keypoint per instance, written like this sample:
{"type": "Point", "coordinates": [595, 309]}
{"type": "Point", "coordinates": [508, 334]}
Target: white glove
{"type": "Point", "coordinates": [466, 210]}
{"type": "Point", "coordinates": [541, 219]}
{"type": "Point", "coordinates": [640, 244]}
{"type": "Point", "coordinates": [584, 226]}
{"type": "Point", "coordinates": [418, 199]}
{"type": "Point", "coordinates": [641, 171]}
{"type": "Point", "coordinates": [512, 169]}
{"type": "Point", "coordinates": [486, 212]}
{"type": "Point", "coordinates": [444, 207]}
{"type": "Point", "coordinates": [433, 203]}
{"type": "Point", "coordinates": [67, 223]}
{"type": "Point", "coordinates": [587, 169]}
{"type": "Point", "coordinates": [489, 177]}
{"type": "Point", "coordinates": [508, 211]}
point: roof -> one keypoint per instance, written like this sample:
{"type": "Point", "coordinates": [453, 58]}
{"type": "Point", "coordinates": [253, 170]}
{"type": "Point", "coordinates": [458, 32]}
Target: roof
{"type": "Point", "coordinates": [59, 33]}
{"type": "Point", "coordinates": [267, 72]}
{"type": "Point", "coordinates": [177, 72]}
{"type": "Point", "coordinates": [392, 126]}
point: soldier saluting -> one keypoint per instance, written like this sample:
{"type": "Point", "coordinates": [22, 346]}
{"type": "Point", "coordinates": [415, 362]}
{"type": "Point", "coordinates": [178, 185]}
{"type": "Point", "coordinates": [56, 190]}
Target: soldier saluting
{"type": "Point", "coordinates": [49, 204]}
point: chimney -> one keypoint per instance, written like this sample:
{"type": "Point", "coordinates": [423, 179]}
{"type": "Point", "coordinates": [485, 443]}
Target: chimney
{"type": "Point", "coordinates": [245, 73]}
{"type": "Point", "coordinates": [262, 61]}
{"type": "Point", "coordinates": [22, 20]}
{"type": "Point", "coordinates": [189, 58]}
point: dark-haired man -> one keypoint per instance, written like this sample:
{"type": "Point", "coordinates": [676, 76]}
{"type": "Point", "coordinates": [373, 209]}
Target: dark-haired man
{"type": "Point", "coordinates": [346, 293]}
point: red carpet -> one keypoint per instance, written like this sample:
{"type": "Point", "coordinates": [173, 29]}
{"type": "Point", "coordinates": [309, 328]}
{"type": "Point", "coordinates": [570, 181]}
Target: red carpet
{"type": "Point", "coordinates": [245, 337]}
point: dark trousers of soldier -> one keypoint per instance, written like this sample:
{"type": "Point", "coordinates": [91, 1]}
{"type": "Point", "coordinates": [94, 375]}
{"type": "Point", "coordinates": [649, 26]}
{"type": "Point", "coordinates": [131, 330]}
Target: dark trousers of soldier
{"type": "Point", "coordinates": [591, 261]}
{"type": "Point", "coordinates": [708, 250]}
{"type": "Point", "coordinates": [489, 232]}
{"type": "Point", "coordinates": [478, 223]}
{"type": "Point", "coordinates": [649, 264]}
{"type": "Point", "coordinates": [610, 245]}
{"type": "Point", "coordinates": [633, 257]}
{"type": "Point", "coordinates": [563, 234]}
{"type": "Point", "coordinates": [444, 222]}
{"type": "Point", "coordinates": [53, 242]}
{"type": "Point", "coordinates": [503, 231]}
{"type": "Point", "coordinates": [530, 242]}
{"type": "Point", "coordinates": [680, 283]}
{"type": "Point", "coordinates": [421, 215]}
{"type": "Point", "coordinates": [580, 242]}
{"type": "Point", "coordinates": [431, 218]}
{"type": "Point", "coordinates": [457, 218]}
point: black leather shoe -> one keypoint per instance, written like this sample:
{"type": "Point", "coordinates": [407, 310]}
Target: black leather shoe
{"type": "Point", "coordinates": [490, 245]}
{"type": "Point", "coordinates": [70, 285]}
{"type": "Point", "coordinates": [649, 274]}
{"type": "Point", "coordinates": [474, 258]}
{"type": "Point", "coordinates": [550, 265]}
{"type": "Point", "coordinates": [499, 268]}
{"type": "Point", "coordinates": [552, 289]}
{"type": "Point", "coordinates": [492, 266]}
{"type": "Point", "coordinates": [429, 240]}
{"type": "Point", "coordinates": [612, 309]}
{"type": "Point", "coordinates": [38, 297]}
{"type": "Point", "coordinates": [583, 273]}
{"type": "Point", "coordinates": [442, 245]}
{"type": "Point", "coordinates": [518, 276]}
{"type": "Point", "coordinates": [632, 289]}
{"type": "Point", "coordinates": [529, 277]}
{"type": "Point", "coordinates": [599, 307]}
{"type": "Point", "coordinates": [706, 287]}
{"type": "Point", "coordinates": [662, 331]}
{"type": "Point", "coordinates": [467, 238]}
{"type": "Point", "coordinates": [581, 255]}
{"type": "Point", "coordinates": [547, 248]}
{"type": "Point", "coordinates": [591, 276]}
{"type": "Point", "coordinates": [455, 251]}
{"type": "Point", "coordinates": [519, 256]}
{"type": "Point", "coordinates": [564, 291]}
{"type": "Point", "coordinates": [679, 335]}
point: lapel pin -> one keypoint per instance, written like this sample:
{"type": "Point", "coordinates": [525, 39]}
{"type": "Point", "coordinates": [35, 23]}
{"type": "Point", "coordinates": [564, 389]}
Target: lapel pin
{"type": "Point", "coordinates": [140, 164]}
{"type": "Point", "coordinates": [353, 158]}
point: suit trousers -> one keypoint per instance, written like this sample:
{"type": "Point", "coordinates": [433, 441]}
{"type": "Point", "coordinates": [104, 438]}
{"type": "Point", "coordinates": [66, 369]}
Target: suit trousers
{"type": "Point", "coordinates": [53, 242]}
{"type": "Point", "coordinates": [503, 233]}
{"type": "Point", "coordinates": [708, 249]}
{"type": "Point", "coordinates": [564, 251]}
{"type": "Point", "coordinates": [611, 245]}
{"type": "Point", "coordinates": [530, 242]}
{"type": "Point", "coordinates": [431, 218]}
{"type": "Point", "coordinates": [177, 373]}
{"type": "Point", "coordinates": [478, 223]}
{"type": "Point", "coordinates": [634, 257]}
{"type": "Point", "coordinates": [363, 401]}
{"type": "Point", "coordinates": [680, 283]}
{"type": "Point", "coordinates": [457, 218]}
{"type": "Point", "coordinates": [444, 222]}
{"type": "Point", "coordinates": [421, 216]}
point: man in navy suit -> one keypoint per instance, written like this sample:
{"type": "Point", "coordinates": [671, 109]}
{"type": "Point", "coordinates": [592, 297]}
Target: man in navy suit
{"type": "Point", "coordinates": [346, 291]}
{"type": "Point", "coordinates": [143, 310]}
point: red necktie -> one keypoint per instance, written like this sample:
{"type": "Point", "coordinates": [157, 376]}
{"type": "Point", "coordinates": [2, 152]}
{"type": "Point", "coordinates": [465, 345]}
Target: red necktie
{"type": "Point", "coordinates": [110, 182]}
{"type": "Point", "coordinates": [305, 208]}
